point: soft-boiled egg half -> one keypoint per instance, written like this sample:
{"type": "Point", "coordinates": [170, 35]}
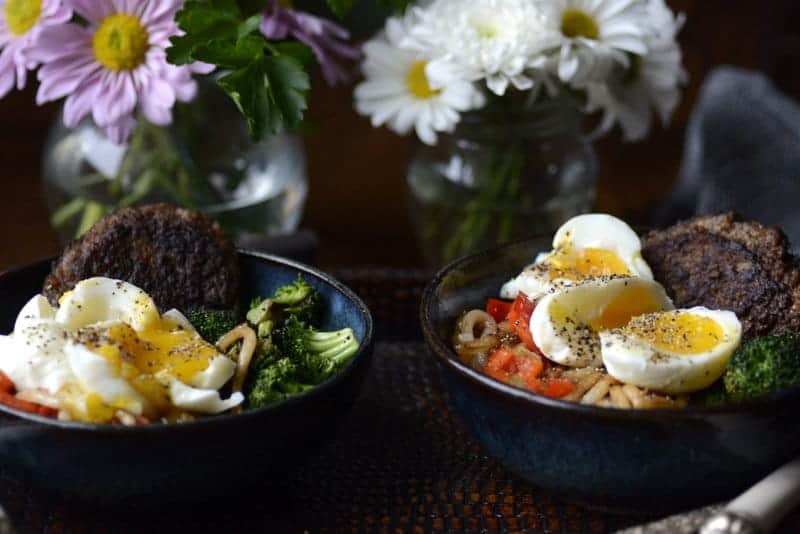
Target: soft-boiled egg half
{"type": "Point", "coordinates": [107, 348]}
{"type": "Point", "coordinates": [566, 325]}
{"type": "Point", "coordinates": [585, 247]}
{"type": "Point", "coordinates": [678, 351]}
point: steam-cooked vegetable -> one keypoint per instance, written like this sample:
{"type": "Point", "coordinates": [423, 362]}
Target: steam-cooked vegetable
{"type": "Point", "coordinates": [764, 365]}
{"type": "Point", "coordinates": [212, 324]}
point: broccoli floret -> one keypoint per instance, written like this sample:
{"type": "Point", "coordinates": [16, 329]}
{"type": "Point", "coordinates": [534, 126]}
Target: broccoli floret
{"type": "Point", "coordinates": [763, 365]}
{"type": "Point", "coordinates": [299, 300]}
{"type": "Point", "coordinates": [260, 311]}
{"type": "Point", "coordinates": [317, 354]}
{"type": "Point", "coordinates": [213, 324]}
{"type": "Point", "coordinates": [275, 382]}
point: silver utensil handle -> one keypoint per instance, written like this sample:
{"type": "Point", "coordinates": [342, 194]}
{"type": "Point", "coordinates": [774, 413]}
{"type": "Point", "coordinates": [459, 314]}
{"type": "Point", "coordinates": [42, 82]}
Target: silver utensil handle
{"type": "Point", "coordinates": [5, 523]}
{"type": "Point", "coordinates": [763, 506]}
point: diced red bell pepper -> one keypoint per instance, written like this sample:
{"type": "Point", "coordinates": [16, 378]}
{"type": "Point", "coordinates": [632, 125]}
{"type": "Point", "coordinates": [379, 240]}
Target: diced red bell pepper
{"type": "Point", "coordinates": [6, 385]}
{"type": "Point", "coordinates": [530, 368]}
{"type": "Point", "coordinates": [25, 406]}
{"type": "Point", "coordinates": [519, 317]}
{"type": "Point", "coordinates": [498, 309]}
{"type": "Point", "coordinates": [501, 364]}
{"type": "Point", "coordinates": [555, 388]}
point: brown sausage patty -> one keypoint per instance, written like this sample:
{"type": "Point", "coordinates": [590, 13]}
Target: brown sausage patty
{"type": "Point", "coordinates": [180, 257]}
{"type": "Point", "coordinates": [721, 262]}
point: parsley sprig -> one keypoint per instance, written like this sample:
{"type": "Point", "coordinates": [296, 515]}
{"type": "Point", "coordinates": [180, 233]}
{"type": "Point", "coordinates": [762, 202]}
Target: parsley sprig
{"type": "Point", "coordinates": [267, 80]}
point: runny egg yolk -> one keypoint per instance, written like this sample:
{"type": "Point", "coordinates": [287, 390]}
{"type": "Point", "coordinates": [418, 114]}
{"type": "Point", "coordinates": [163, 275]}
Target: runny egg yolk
{"type": "Point", "coordinates": [630, 302]}
{"type": "Point", "coordinates": [181, 353]}
{"type": "Point", "coordinates": [139, 356]}
{"type": "Point", "coordinates": [570, 264]}
{"type": "Point", "coordinates": [678, 333]}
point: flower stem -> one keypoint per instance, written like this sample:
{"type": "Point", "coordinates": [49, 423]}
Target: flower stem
{"type": "Point", "coordinates": [501, 189]}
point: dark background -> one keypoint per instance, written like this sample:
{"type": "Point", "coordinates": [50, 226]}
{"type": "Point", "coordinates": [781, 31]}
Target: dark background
{"type": "Point", "coordinates": [357, 202]}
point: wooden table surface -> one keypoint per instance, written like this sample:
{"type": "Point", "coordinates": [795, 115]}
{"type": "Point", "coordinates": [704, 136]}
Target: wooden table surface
{"type": "Point", "coordinates": [357, 199]}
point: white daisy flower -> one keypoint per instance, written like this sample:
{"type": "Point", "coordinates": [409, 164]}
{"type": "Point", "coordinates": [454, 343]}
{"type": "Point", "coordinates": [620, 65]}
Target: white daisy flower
{"type": "Point", "coordinates": [652, 80]}
{"type": "Point", "coordinates": [397, 92]}
{"type": "Point", "coordinates": [594, 35]}
{"type": "Point", "coordinates": [495, 40]}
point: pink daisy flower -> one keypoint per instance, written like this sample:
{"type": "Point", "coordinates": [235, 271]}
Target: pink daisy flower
{"type": "Point", "coordinates": [326, 39]}
{"type": "Point", "coordinates": [21, 23]}
{"type": "Point", "coordinates": [116, 65]}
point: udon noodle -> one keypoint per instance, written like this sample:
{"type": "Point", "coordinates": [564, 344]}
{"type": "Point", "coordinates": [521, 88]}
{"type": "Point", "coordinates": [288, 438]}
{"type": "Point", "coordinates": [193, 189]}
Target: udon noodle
{"type": "Point", "coordinates": [478, 335]}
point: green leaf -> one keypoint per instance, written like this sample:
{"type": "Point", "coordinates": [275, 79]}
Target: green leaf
{"type": "Point", "coordinates": [202, 23]}
{"type": "Point", "coordinates": [289, 85]}
{"type": "Point", "coordinates": [250, 25]}
{"type": "Point", "coordinates": [341, 7]}
{"type": "Point", "coordinates": [229, 54]}
{"type": "Point", "coordinates": [295, 49]}
{"type": "Point", "coordinates": [271, 94]}
{"type": "Point", "coordinates": [247, 87]}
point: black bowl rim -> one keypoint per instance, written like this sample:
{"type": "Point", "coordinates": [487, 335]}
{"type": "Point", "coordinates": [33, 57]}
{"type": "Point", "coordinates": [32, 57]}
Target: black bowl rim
{"type": "Point", "coordinates": [449, 358]}
{"type": "Point", "coordinates": [308, 396]}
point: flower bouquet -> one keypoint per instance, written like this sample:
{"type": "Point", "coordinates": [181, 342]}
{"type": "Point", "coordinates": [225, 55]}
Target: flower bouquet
{"type": "Point", "coordinates": [126, 71]}
{"type": "Point", "coordinates": [508, 82]}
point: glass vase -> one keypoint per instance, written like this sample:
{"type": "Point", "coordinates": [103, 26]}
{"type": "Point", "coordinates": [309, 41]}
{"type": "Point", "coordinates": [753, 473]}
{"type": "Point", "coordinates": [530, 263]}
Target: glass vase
{"type": "Point", "coordinates": [504, 174]}
{"type": "Point", "coordinates": [204, 160]}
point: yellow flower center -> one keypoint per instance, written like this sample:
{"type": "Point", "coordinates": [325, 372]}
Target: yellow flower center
{"type": "Point", "coordinates": [22, 15]}
{"type": "Point", "coordinates": [121, 42]}
{"type": "Point", "coordinates": [577, 23]}
{"type": "Point", "coordinates": [417, 82]}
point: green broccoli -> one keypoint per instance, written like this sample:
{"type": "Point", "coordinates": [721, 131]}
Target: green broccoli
{"type": "Point", "coordinates": [213, 324]}
{"type": "Point", "coordinates": [297, 299]}
{"type": "Point", "coordinates": [292, 357]}
{"type": "Point", "coordinates": [300, 300]}
{"type": "Point", "coordinates": [317, 354]}
{"type": "Point", "coordinates": [275, 382]}
{"type": "Point", "coordinates": [763, 365]}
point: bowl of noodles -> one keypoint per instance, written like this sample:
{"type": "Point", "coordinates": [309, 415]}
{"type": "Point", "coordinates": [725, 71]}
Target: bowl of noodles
{"type": "Point", "coordinates": [559, 426]}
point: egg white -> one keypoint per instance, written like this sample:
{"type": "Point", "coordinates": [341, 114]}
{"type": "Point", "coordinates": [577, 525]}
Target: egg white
{"type": "Point", "coordinates": [33, 356]}
{"type": "Point", "coordinates": [96, 375]}
{"type": "Point", "coordinates": [100, 300]}
{"type": "Point", "coordinates": [634, 360]}
{"type": "Point", "coordinates": [595, 231]}
{"type": "Point", "coordinates": [561, 323]}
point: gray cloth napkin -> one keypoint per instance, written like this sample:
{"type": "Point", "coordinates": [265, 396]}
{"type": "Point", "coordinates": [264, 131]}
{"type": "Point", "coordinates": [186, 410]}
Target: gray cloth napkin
{"type": "Point", "coordinates": [742, 153]}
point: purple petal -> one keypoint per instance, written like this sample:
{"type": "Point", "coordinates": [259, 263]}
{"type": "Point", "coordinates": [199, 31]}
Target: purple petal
{"type": "Point", "coordinates": [22, 71]}
{"type": "Point", "coordinates": [325, 38]}
{"type": "Point", "coordinates": [79, 104]}
{"type": "Point", "coordinates": [116, 98]}
{"type": "Point", "coordinates": [6, 73]}
{"type": "Point", "coordinates": [157, 13]}
{"type": "Point", "coordinates": [59, 78]}
{"type": "Point", "coordinates": [92, 10]}
{"type": "Point", "coordinates": [121, 130]}
{"type": "Point", "coordinates": [158, 115]}
{"type": "Point", "coordinates": [57, 41]}
{"type": "Point", "coordinates": [53, 12]}
{"type": "Point", "coordinates": [274, 28]}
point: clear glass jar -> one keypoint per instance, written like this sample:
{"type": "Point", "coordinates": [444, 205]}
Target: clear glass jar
{"type": "Point", "coordinates": [204, 160]}
{"type": "Point", "coordinates": [502, 175]}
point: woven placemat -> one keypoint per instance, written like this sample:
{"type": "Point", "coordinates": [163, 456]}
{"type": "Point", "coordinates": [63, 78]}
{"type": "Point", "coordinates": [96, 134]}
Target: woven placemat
{"type": "Point", "coordinates": [401, 462]}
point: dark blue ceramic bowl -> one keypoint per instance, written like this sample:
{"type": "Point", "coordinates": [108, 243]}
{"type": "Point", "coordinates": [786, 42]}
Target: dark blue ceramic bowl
{"type": "Point", "coordinates": [654, 461]}
{"type": "Point", "coordinates": [189, 461]}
